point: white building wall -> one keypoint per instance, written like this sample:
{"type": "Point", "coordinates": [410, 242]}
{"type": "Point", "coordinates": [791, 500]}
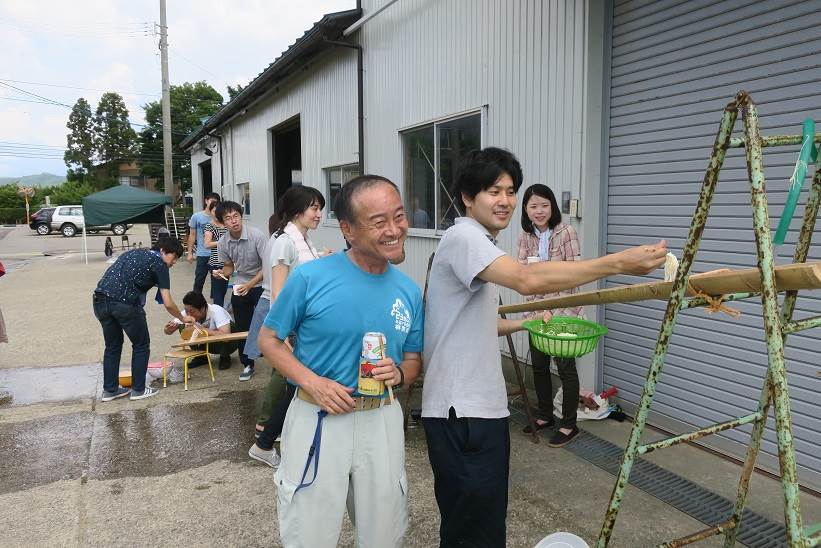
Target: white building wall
{"type": "Point", "coordinates": [524, 62]}
{"type": "Point", "coordinates": [324, 98]}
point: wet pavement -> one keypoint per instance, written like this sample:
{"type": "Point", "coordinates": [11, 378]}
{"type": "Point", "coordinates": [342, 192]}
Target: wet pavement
{"type": "Point", "coordinates": [29, 385]}
{"type": "Point", "coordinates": [152, 441]}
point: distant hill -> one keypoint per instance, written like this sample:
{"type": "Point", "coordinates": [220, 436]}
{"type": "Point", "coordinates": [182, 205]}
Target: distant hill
{"type": "Point", "coordinates": [41, 180]}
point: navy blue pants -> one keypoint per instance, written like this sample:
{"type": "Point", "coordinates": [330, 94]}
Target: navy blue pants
{"type": "Point", "coordinates": [201, 272]}
{"type": "Point", "coordinates": [218, 288]}
{"type": "Point", "coordinates": [470, 458]}
{"type": "Point", "coordinates": [116, 317]}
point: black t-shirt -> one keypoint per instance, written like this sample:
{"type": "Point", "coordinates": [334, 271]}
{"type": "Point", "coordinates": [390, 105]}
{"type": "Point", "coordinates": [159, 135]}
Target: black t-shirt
{"type": "Point", "coordinates": [134, 273]}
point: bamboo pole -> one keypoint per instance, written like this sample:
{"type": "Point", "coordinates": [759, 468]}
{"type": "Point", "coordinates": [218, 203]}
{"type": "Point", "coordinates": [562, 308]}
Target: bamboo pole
{"type": "Point", "coordinates": [790, 277]}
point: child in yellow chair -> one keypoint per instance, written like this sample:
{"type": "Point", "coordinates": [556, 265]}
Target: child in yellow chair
{"type": "Point", "coordinates": [210, 318]}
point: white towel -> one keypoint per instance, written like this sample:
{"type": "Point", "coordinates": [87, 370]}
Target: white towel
{"type": "Point", "coordinates": [304, 247]}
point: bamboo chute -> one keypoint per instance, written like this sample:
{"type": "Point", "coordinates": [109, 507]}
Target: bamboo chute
{"type": "Point", "coordinates": [790, 277]}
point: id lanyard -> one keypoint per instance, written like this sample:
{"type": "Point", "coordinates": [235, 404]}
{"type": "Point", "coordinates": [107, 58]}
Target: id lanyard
{"type": "Point", "coordinates": [313, 452]}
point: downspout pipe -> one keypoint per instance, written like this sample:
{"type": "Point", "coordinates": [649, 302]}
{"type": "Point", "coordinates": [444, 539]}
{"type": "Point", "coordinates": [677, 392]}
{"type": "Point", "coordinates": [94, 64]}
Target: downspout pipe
{"type": "Point", "coordinates": [360, 101]}
{"type": "Point", "coordinates": [222, 178]}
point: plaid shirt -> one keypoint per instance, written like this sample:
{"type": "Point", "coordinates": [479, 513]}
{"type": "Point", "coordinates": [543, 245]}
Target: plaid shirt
{"type": "Point", "coordinates": [562, 246]}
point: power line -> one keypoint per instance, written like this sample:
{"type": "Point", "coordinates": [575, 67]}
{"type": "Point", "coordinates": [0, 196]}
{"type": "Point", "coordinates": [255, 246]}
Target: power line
{"type": "Point", "coordinates": [29, 144]}
{"type": "Point", "coordinates": [145, 30]}
{"type": "Point", "coordinates": [46, 100]}
{"type": "Point", "coordinates": [186, 59]}
{"type": "Point", "coordinates": [78, 87]}
{"type": "Point", "coordinates": [21, 90]}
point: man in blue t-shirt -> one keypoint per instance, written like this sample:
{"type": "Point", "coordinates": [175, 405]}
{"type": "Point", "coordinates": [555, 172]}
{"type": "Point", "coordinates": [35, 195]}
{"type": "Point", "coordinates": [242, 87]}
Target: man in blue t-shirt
{"type": "Point", "coordinates": [196, 234]}
{"type": "Point", "coordinates": [330, 304]}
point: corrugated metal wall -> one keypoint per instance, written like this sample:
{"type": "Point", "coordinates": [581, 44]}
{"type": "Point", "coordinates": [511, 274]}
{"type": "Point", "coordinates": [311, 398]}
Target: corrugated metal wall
{"type": "Point", "coordinates": [674, 67]}
{"type": "Point", "coordinates": [324, 98]}
{"type": "Point", "coordinates": [524, 60]}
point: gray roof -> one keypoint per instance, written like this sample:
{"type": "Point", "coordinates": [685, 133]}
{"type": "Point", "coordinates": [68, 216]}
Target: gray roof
{"type": "Point", "coordinates": [309, 45]}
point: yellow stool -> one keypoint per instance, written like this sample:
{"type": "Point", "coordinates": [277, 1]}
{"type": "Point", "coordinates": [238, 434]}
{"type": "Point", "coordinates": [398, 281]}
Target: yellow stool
{"type": "Point", "coordinates": [186, 356]}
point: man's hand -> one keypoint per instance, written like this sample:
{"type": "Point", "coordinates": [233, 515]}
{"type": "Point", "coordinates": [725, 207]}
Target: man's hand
{"type": "Point", "coordinates": [548, 315]}
{"type": "Point", "coordinates": [190, 257]}
{"type": "Point", "coordinates": [330, 395]}
{"type": "Point", "coordinates": [241, 289]}
{"type": "Point", "coordinates": [170, 327]}
{"type": "Point", "coordinates": [218, 273]}
{"type": "Point", "coordinates": [386, 370]}
{"type": "Point", "coordinates": [642, 259]}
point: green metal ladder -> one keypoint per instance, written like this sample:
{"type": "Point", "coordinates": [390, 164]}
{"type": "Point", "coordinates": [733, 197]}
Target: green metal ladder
{"type": "Point", "coordinates": [777, 325]}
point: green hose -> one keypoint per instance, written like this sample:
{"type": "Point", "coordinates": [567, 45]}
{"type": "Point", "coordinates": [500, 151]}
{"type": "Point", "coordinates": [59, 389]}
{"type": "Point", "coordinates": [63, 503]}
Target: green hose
{"type": "Point", "coordinates": [807, 155]}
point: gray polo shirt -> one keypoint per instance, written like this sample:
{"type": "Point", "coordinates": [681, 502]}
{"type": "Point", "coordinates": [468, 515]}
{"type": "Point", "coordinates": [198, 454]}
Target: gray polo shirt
{"type": "Point", "coordinates": [463, 364]}
{"type": "Point", "coordinates": [246, 252]}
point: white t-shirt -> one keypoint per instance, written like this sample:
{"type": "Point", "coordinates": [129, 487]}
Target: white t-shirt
{"type": "Point", "coordinates": [216, 317]}
{"type": "Point", "coordinates": [278, 250]}
{"type": "Point", "coordinates": [463, 364]}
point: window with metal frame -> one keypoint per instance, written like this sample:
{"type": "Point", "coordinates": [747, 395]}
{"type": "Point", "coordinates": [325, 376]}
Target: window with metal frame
{"type": "Point", "coordinates": [244, 193]}
{"type": "Point", "coordinates": [335, 177]}
{"type": "Point", "coordinates": [431, 154]}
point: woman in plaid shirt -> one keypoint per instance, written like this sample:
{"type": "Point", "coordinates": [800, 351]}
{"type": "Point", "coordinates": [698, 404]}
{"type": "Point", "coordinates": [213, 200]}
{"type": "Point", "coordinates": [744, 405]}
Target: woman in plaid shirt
{"type": "Point", "coordinates": [546, 238]}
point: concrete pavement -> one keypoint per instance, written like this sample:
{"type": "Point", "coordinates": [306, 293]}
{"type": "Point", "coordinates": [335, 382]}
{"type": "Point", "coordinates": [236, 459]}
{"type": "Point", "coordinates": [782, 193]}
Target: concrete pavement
{"type": "Point", "coordinates": [173, 469]}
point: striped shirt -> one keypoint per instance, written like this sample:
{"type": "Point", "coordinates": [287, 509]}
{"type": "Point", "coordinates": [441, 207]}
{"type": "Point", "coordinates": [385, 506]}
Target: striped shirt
{"type": "Point", "coordinates": [562, 246]}
{"type": "Point", "coordinates": [216, 233]}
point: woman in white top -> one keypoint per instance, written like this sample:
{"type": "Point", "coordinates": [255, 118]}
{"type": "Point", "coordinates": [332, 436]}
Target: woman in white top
{"type": "Point", "coordinates": [300, 211]}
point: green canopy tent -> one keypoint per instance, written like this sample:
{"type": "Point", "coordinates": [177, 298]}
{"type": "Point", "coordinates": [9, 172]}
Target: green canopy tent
{"type": "Point", "coordinates": [123, 204]}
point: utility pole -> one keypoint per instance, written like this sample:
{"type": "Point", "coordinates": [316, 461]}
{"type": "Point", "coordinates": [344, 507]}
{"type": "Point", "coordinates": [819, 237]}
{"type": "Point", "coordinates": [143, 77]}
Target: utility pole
{"type": "Point", "coordinates": [166, 106]}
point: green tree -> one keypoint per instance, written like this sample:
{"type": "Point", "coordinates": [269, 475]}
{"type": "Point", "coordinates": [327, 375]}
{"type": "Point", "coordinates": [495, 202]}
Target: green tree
{"type": "Point", "coordinates": [190, 105]}
{"type": "Point", "coordinates": [113, 137]}
{"type": "Point", "coordinates": [71, 192]}
{"type": "Point", "coordinates": [80, 141]}
{"type": "Point", "coordinates": [233, 92]}
{"type": "Point", "coordinates": [9, 197]}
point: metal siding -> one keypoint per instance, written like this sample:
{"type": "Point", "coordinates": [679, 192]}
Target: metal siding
{"type": "Point", "coordinates": [674, 67]}
{"type": "Point", "coordinates": [425, 60]}
{"type": "Point", "coordinates": [324, 97]}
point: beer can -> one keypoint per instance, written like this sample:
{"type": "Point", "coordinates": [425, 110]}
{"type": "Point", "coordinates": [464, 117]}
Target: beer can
{"type": "Point", "coordinates": [373, 350]}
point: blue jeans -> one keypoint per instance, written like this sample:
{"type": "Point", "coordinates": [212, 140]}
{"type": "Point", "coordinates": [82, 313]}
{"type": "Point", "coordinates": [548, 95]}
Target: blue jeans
{"type": "Point", "coordinates": [116, 317]}
{"type": "Point", "coordinates": [200, 273]}
{"type": "Point", "coordinates": [260, 312]}
{"type": "Point", "coordinates": [218, 287]}
{"type": "Point", "coordinates": [243, 306]}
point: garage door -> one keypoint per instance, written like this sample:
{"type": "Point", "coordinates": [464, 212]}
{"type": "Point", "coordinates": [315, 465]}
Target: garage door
{"type": "Point", "coordinates": [674, 66]}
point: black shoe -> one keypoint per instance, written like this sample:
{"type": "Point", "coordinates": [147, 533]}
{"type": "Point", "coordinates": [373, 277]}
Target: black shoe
{"type": "Point", "coordinates": [225, 363]}
{"type": "Point", "coordinates": [561, 439]}
{"type": "Point", "coordinates": [548, 424]}
{"type": "Point", "coordinates": [198, 361]}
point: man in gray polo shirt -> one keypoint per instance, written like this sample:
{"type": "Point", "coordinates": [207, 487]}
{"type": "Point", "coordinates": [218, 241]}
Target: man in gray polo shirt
{"type": "Point", "coordinates": [464, 399]}
{"type": "Point", "coordinates": [241, 250]}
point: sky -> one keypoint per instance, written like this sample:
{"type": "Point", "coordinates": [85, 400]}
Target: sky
{"type": "Point", "coordinates": [61, 51]}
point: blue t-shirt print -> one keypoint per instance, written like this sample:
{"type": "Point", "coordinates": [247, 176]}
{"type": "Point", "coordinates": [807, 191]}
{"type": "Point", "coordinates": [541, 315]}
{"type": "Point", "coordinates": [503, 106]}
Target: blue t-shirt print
{"type": "Point", "coordinates": [330, 303]}
{"type": "Point", "coordinates": [197, 222]}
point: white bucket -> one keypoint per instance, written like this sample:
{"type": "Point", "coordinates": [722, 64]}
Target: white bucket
{"type": "Point", "coordinates": [562, 540]}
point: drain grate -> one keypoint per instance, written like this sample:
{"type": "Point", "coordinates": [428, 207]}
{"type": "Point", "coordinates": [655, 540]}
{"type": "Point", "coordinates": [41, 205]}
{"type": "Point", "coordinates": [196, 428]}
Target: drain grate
{"type": "Point", "coordinates": [680, 493]}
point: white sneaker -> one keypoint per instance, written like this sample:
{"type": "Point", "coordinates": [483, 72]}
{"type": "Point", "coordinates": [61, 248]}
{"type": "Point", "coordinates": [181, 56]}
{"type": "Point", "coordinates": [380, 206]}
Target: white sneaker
{"type": "Point", "coordinates": [147, 393]}
{"type": "Point", "coordinates": [266, 457]}
{"type": "Point", "coordinates": [247, 373]}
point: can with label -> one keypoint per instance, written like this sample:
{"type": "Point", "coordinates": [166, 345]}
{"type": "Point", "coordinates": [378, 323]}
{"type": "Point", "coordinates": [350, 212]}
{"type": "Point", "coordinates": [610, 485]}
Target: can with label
{"type": "Point", "coordinates": [373, 350]}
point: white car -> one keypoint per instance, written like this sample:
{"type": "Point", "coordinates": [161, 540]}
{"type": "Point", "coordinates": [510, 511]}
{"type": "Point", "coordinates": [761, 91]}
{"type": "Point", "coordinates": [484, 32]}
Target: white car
{"type": "Point", "coordinates": [68, 219]}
